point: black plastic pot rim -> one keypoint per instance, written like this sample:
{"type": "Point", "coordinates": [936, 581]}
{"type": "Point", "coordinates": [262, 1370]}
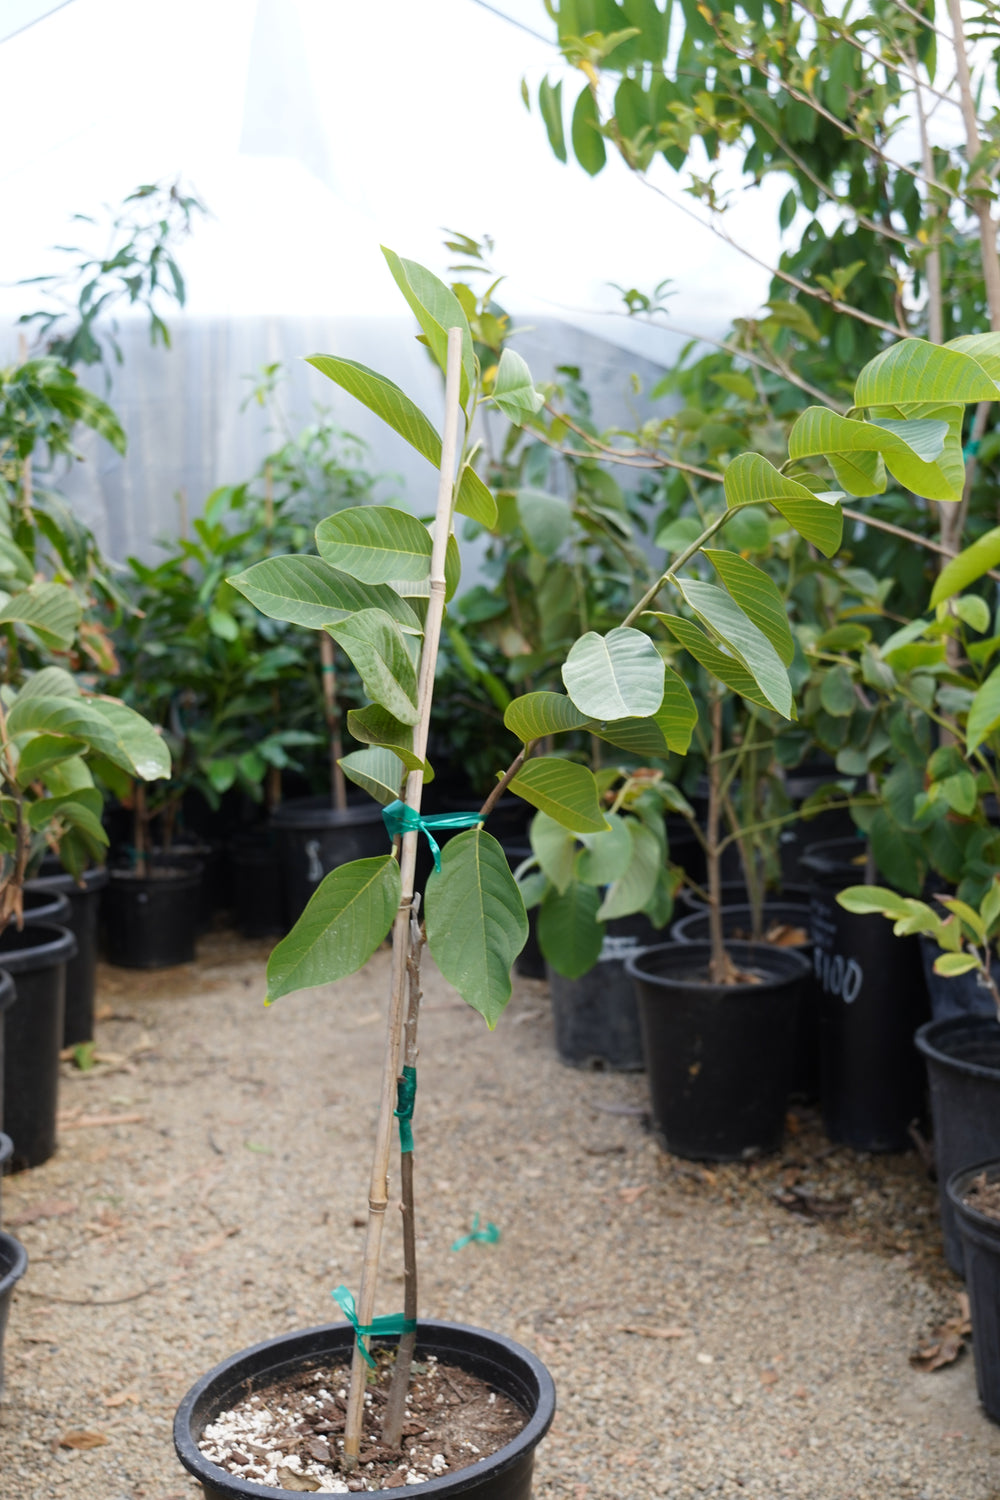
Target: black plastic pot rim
{"type": "Point", "coordinates": [677, 934]}
{"type": "Point", "coordinates": [166, 875]}
{"type": "Point", "coordinates": [6, 1147]}
{"type": "Point", "coordinates": [924, 1043]}
{"type": "Point", "coordinates": [8, 994]}
{"type": "Point", "coordinates": [19, 1258]}
{"type": "Point", "coordinates": [756, 954]}
{"type": "Point", "coordinates": [958, 1183]}
{"type": "Point", "coordinates": [289, 815]}
{"type": "Point", "coordinates": [528, 1438]}
{"type": "Point", "coordinates": [51, 950]}
{"type": "Point", "coordinates": [95, 878]}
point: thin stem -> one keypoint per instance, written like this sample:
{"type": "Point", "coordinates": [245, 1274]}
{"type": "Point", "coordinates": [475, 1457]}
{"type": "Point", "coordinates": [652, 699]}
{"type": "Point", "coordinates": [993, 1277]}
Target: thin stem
{"type": "Point", "coordinates": [717, 963]}
{"type": "Point", "coordinates": [671, 572]}
{"type": "Point", "coordinates": [503, 783]}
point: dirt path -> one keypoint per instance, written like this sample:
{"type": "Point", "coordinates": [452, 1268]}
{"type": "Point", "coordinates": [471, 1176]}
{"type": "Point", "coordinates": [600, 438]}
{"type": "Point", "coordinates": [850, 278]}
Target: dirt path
{"type": "Point", "coordinates": [704, 1338]}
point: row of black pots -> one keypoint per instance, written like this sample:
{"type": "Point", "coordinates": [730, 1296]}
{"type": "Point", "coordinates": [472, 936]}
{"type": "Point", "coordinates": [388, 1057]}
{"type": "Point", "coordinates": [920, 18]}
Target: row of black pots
{"type": "Point", "coordinates": [13, 1259]}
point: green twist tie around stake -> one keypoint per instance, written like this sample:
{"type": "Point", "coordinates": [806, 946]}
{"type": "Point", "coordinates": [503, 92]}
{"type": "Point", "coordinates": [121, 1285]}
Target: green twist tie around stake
{"type": "Point", "coordinates": [400, 819]}
{"type": "Point", "coordinates": [970, 450]}
{"type": "Point", "coordinates": [487, 1236]}
{"type": "Point", "coordinates": [392, 1323]}
{"type": "Point", "coordinates": [406, 1093]}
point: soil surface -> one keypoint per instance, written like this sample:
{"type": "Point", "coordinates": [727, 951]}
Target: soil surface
{"type": "Point", "coordinates": [983, 1194]}
{"type": "Point", "coordinates": [290, 1434]}
{"type": "Point", "coordinates": [738, 1330]}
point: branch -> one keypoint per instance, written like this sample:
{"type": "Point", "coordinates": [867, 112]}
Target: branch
{"type": "Point", "coordinates": [503, 783]}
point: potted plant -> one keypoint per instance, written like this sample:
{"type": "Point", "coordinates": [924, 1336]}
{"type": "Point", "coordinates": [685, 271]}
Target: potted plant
{"type": "Point", "coordinates": [974, 1195]}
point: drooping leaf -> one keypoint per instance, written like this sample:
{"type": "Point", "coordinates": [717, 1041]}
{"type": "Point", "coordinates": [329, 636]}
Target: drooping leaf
{"type": "Point", "coordinates": [52, 610]}
{"type": "Point", "coordinates": [546, 519]}
{"type": "Point", "coordinates": [984, 713]}
{"type": "Point", "coordinates": [306, 591]}
{"type": "Point", "coordinates": [727, 669]}
{"type": "Point", "coordinates": [44, 751]}
{"type": "Point", "coordinates": [536, 715]}
{"type": "Point", "coordinates": [914, 370]}
{"type": "Point", "coordinates": [378, 771]}
{"type": "Point", "coordinates": [910, 448]}
{"type": "Point", "coordinates": [757, 595]}
{"type": "Point", "coordinates": [632, 890]}
{"type": "Point", "coordinates": [864, 899]}
{"type": "Point", "coordinates": [751, 480]}
{"type": "Point", "coordinates": [550, 106]}
{"type": "Point", "coordinates": [436, 309]}
{"type": "Point", "coordinates": [615, 676]}
{"type": "Point", "coordinates": [476, 922]}
{"type": "Point", "coordinates": [735, 628]}
{"type": "Point", "coordinates": [564, 790]}
{"type": "Point", "coordinates": [385, 399]}
{"type": "Point", "coordinates": [374, 725]}
{"type": "Point", "coordinates": [346, 919]}
{"type": "Point", "coordinates": [555, 849]}
{"type": "Point", "coordinates": [474, 498]}
{"type": "Point", "coordinates": [588, 143]}
{"type": "Point", "coordinates": [513, 389]}
{"type": "Point", "coordinates": [971, 563]}
{"type": "Point", "coordinates": [376, 647]}
{"type": "Point", "coordinates": [569, 934]}
{"type": "Point", "coordinates": [376, 544]}
{"type": "Point", "coordinates": [605, 856]}
{"type": "Point", "coordinates": [126, 738]}
{"type": "Point", "coordinates": [667, 731]}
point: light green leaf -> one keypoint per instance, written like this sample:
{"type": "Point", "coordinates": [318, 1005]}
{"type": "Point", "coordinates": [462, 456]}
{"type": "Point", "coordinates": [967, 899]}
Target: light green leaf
{"type": "Point", "coordinates": [668, 730]}
{"type": "Point", "coordinates": [44, 751]}
{"type": "Point", "coordinates": [222, 624]}
{"type": "Point", "coordinates": [953, 964]}
{"type": "Point", "coordinates": [726, 668]}
{"type": "Point", "coordinates": [751, 480]}
{"type": "Point", "coordinates": [616, 676]}
{"type": "Point", "coordinates": [52, 610]}
{"type": "Point", "coordinates": [374, 725]}
{"type": "Point", "coordinates": [376, 646]}
{"type": "Point", "coordinates": [564, 790]}
{"type": "Point", "coordinates": [984, 348]}
{"type": "Point", "coordinates": [757, 595]}
{"type": "Point", "coordinates": [971, 563]}
{"type": "Point", "coordinates": [555, 849]}
{"type": "Point", "coordinates": [569, 934]}
{"type": "Point", "coordinates": [474, 498]}
{"type": "Point", "coordinates": [81, 405]}
{"type": "Point", "coordinates": [476, 922]}
{"type": "Point", "coordinates": [378, 771]}
{"type": "Point", "coordinates": [588, 143]}
{"type": "Point", "coordinates": [914, 370]}
{"type": "Point", "coordinates": [376, 544]}
{"type": "Point", "coordinates": [984, 713]}
{"type": "Point", "coordinates": [550, 106]}
{"type": "Point", "coordinates": [546, 519]}
{"type": "Point", "coordinates": [959, 791]}
{"type": "Point", "coordinates": [306, 591]}
{"type": "Point", "coordinates": [535, 715]}
{"type": "Point", "coordinates": [723, 615]}
{"type": "Point", "coordinates": [836, 693]}
{"type": "Point", "coordinates": [436, 309]}
{"type": "Point", "coordinates": [635, 887]}
{"type": "Point", "coordinates": [346, 919]}
{"type": "Point", "coordinates": [126, 738]}
{"type": "Point", "coordinates": [385, 400]}
{"type": "Point", "coordinates": [910, 448]}
{"type": "Point", "coordinates": [965, 914]}
{"type": "Point", "coordinates": [974, 612]}
{"type": "Point", "coordinates": [13, 562]}
{"type": "Point", "coordinates": [679, 532]}
{"type": "Point", "coordinates": [513, 390]}
{"type": "Point", "coordinates": [605, 856]}
{"type": "Point", "coordinates": [749, 529]}
{"type": "Point", "coordinates": [866, 899]}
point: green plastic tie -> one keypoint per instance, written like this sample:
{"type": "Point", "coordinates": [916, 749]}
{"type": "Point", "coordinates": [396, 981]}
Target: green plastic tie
{"type": "Point", "coordinates": [391, 1323]}
{"type": "Point", "coordinates": [970, 450]}
{"type": "Point", "coordinates": [487, 1236]}
{"type": "Point", "coordinates": [400, 819]}
{"type": "Point", "coordinates": [406, 1093]}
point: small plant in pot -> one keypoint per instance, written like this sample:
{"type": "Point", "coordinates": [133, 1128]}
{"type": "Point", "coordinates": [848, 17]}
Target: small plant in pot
{"type": "Point", "coordinates": [472, 916]}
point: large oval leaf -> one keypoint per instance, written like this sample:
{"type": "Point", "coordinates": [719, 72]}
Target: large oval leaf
{"type": "Point", "coordinates": [914, 370]}
{"type": "Point", "coordinates": [757, 595]}
{"type": "Point", "coordinates": [374, 725]}
{"type": "Point", "coordinates": [385, 400]}
{"type": "Point", "coordinates": [853, 449]}
{"type": "Point", "coordinates": [971, 563]}
{"type": "Point", "coordinates": [555, 849]}
{"type": "Point", "coordinates": [605, 856]}
{"type": "Point", "coordinates": [635, 886]}
{"type": "Point", "coordinates": [569, 934]}
{"type": "Point", "coordinates": [52, 610]}
{"type": "Point", "coordinates": [347, 917]}
{"type": "Point", "coordinates": [564, 790]}
{"type": "Point", "coordinates": [376, 544]}
{"type": "Point", "coordinates": [375, 645]}
{"type": "Point", "coordinates": [751, 480]}
{"type": "Point", "coordinates": [377, 771]}
{"type": "Point", "coordinates": [546, 519]}
{"type": "Point", "coordinates": [106, 725]}
{"type": "Point", "coordinates": [615, 676]}
{"type": "Point", "coordinates": [476, 922]}
{"type": "Point", "coordinates": [535, 715]}
{"type": "Point", "coordinates": [305, 590]}
{"type": "Point", "coordinates": [726, 668]}
{"type": "Point", "coordinates": [436, 309]}
{"type": "Point", "coordinates": [735, 628]}
{"type": "Point", "coordinates": [668, 730]}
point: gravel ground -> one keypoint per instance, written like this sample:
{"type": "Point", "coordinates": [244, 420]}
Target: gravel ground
{"type": "Point", "coordinates": [734, 1331]}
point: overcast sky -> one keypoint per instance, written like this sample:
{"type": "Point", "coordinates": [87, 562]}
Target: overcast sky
{"type": "Point", "coordinates": [376, 121]}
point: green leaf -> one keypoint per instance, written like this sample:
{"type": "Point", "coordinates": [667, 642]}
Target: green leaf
{"type": "Point", "coordinates": [52, 610]}
{"type": "Point", "coordinates": [474, 498]}
{"type": "Point", "coordinates": [722, 614]}
{"type": "Point", "coordinates": [564, 790]}
{"type": "Point", "coordinates": [546, 519]}
{"type": "Point", "coordinates": [385, 400]}
{"type": "Point", "coordinates": [909, 448]}
{"type": "Point", "coordinates": [984, 348]}
{"type": "Point", "coordinates": [679, 532]}
{"type": "Point", "coordinates": [374, 725]}
{"type": "Point", "coordinates": [751, 480]}
{"type": "Point", "coordinates": [436, 309]}
{"type": "Point", "coordinates": [635, 888]}
{"type": "Point", "coordinates": [749, 529]}
{"type": "Point", "coordinates": [305, 590]}
{"type": "Point", "coordinates": [346, 919]}
{"type": "Point", "coordinates": [836, 693]}
{"type": "Point", "coordinates": [45, 751]}
{"type": "Point", "coordinates": [377, 771]}
{"type": "Point", "coordinates": [81, 405]}
{"type": "Point", "coordinates": [126, 738]}
{"type": "Point", "coordinates": [550, 106]}
{"type": "Point", "coordinates": [585, 133]}
{"type": "Point", "coordinates": [222, 624]}
{"type": "Point", "coordinates": [974, 612]}
{"type": "Point", "coordinates": [865, 899]}
{"type": "Point", "coordinates": [535, 715]}
{"type": "Point", "coordinates": [605, 856]}
{"type": "Point", "coordinates": [376, 544]}
{"type": "Point", "coordinates": [668, 730]}
{"type": "Point", "coordinates": [513, 390]}
{"type": "Point", "coordinates": [971, 563]}
{"type": "Point", "coordinates": [984, 713]}
{"type": "Point", "coordinates": [616, 676]}
{"type": "Point", "coordinates": [569, 934]}
{"type": "Point", "coordinates": [959, 791]}
{"type": "Point", "coordinates": [953, 964]}
{"type": "Point", "coordinates": [555, 849]}
{"type": "Point", "coordinates": [476, 922]}
{"type": "Point", "coordinates": [969, 918]}
{"type": "Point", "coordinates": [377, 648]}
{"type": "Point", "coordinates": [727, 669]}
{"type": "Point", "coordinates": [914, 370]}
{"type": "Point", "coordinates": [757, 595]}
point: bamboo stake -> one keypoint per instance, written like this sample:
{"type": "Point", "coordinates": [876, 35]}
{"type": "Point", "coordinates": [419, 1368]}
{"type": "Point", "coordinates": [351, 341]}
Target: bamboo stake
{"type": "Point", "coordinates": [378, 1190]}
{"type": "Point", "coordinates": [979, 187]}
{"type": "Point", "coordinates": [328, 668]}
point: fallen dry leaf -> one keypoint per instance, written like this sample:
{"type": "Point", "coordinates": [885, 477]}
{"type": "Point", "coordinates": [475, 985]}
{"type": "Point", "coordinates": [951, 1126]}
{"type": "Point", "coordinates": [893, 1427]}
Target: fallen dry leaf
{"type": "Point", "coordinates": [291, 1479]}
{"type": "Point", "coordinates": [49, 1208]}
{"type": "Point", "coordinates": [946, 1342]}
{"type": "Point", "coordinates": [652, 1333]}
{"type": "Point", "coordinates": [120, 1398]}
{"type": "Point", "coordinates": [768, 1377]}
{"type": "Point", "coordinates": [630, 1194]}
{"type": "Point", "coordinates": [83, 1440]}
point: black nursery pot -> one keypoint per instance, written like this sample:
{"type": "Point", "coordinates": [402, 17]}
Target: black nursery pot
{"type": "Point", "coordinates": [981, 1245]}
{"type": "Point", "coordinates": [596, 1016]}
{"type": "Point", "coordinates": [8, 994]}
{"type": "Point", "coordinates": [719, 1057]}
{"type": "Point", "coordinates": [36, 959]}
{"type": "Point", "coordinates": [82, 919]}
{"type": "Point", "coordinates": [151, 921]}
{"type": "Point", "coordinates": [504, 1365]}
{"type": "Point", "coordinates": [963, 1068]}
{"type": "Point", "coordinates": [737, 921]}
{"type": "Point", "coordinates": [315, 838]}
{"type": "Point", "coordinates": [13, 1264]}
{"type": "Point", "coordinates": [872, 999]}
{"type": "Point", "coordinates": [258, 888]}
{"type": "Point", "coordinates": [6, 1152]}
